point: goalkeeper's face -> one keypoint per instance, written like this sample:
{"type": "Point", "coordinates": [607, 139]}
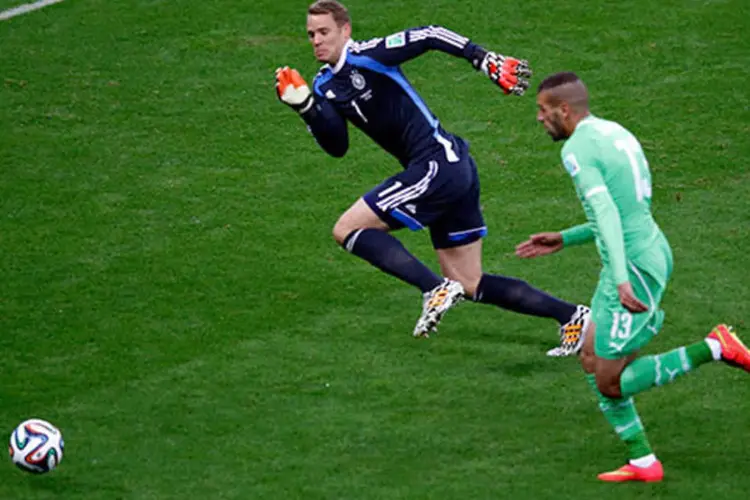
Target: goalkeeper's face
{"type": "Point", "coordinates": [327, 37]}
{"type": "Point", "coordinates": [553, 116]}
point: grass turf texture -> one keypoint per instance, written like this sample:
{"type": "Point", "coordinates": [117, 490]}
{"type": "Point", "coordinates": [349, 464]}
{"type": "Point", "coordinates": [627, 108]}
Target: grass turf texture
{"type": "Point", "coordinates": [173, 301]}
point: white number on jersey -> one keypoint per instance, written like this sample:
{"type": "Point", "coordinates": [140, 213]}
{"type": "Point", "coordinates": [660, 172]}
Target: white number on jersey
{"type": "Point", "coordinates": [638, 164]}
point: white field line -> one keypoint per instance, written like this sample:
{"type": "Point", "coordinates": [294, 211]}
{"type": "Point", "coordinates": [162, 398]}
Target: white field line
{"type": "Point", "coordinates": [27, 7]}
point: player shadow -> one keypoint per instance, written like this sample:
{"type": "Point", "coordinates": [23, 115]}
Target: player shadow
{"type": "Point", "coordinates": [534, 364]}
{"type": "Point", "coordinates": [518, 338]}
{"type": "Point", "coordinates": [524, 368]}
{"type": "Point", "coordinates": [516, 369]}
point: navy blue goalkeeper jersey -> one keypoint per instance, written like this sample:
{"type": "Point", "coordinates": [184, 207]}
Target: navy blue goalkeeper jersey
{"type": "Point", "coordinates": [367, 88]}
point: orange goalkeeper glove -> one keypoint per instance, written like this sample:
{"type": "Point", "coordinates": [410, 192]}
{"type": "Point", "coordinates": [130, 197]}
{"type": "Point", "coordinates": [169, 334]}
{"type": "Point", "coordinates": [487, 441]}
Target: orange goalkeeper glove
{"type": "Point", "coordinates": [508, 73]}
{"type": "Point", "coordinates": [292, 89]}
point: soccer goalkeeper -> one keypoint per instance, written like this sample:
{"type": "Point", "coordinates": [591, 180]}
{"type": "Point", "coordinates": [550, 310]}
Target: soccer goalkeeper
{"type": "Point", "coordinates": [613, 181]}
{"type": "Point", "coordinates": [362, 83]}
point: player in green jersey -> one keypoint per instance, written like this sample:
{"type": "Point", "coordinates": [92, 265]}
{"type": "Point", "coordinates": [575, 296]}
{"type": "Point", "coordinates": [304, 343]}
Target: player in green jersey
{"type": "Point", "coordinates": [613, 181]}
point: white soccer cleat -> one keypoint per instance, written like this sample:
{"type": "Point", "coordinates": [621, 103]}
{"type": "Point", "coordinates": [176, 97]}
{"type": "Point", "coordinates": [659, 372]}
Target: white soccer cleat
{"type": "Point", "coordinates": [556, 352]}
{"type": "Point", "coordinates": [436, 302]}
{"type": "Point", "coordinates": [572, 334]}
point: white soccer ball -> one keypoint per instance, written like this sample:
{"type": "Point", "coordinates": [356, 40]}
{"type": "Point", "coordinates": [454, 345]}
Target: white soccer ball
{"type": "Point", "coordinates": [36, 446]}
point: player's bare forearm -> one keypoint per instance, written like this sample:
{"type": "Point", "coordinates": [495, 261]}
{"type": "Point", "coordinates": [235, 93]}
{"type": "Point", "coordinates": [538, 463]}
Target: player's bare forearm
{"type": "Point", "coordinates": [540, 244]}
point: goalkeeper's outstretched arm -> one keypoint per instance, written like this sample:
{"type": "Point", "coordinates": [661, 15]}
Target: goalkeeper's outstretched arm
{"type": "Point", "coordinates": [509, 73]}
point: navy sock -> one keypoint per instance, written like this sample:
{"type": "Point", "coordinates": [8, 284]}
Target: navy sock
{"type": "Point", "coordinates": [517, 295]}
{"type": "Point", "coordinates": [388, 254]}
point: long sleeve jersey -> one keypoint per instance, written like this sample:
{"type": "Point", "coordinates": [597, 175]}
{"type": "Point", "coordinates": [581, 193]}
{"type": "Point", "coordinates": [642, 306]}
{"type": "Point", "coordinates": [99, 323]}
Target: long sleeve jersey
{"type": "Point", "coordinates": [613, 181]}
{"type": "Point", "coordinates": [367, 88]}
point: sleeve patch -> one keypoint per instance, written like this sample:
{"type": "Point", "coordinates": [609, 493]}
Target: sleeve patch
{"type": "Point", "coordinates": [395, 40]}
{"type": "Point", "coordinates": [571, 165]}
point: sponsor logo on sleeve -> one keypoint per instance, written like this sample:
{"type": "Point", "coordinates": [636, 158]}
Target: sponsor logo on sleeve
{"type": "Point", "coordinates": [395, 40]}
{"type": "Point", "coordinates": [571, 165]}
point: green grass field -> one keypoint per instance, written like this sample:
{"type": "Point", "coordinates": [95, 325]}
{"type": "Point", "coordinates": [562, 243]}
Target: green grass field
{"type": "Point", "coordinates": [172, 298]}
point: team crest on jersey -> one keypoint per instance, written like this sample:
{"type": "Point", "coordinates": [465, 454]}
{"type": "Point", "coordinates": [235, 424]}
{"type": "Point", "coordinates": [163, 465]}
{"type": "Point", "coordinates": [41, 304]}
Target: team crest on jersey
{"type": "Point", "coordinates": [358, 81]}
{"type": "Point", "coordinates": [396, 40]}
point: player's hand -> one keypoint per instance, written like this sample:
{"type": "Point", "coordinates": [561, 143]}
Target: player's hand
{"type": "Point", "coordinates": [508, 73]}
{"type": "Point", "coordinates": [540, 244]}
{"type": "Point", "coordinates": [292, 89]}
{"type": "Point", "coordinates": [628, 299]}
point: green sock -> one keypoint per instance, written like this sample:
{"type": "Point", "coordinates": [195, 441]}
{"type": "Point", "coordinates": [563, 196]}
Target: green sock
{"type": "Point", "coordinates": [699, 353]}
{"type": "Point", "coordinates": [649, 371]}
{"type": "Point", "coordinates": [623, 417]}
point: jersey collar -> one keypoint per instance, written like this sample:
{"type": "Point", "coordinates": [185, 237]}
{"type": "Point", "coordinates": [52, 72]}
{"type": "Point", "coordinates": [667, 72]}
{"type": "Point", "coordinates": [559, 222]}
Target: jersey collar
{"type": "Point", "coordinates": [342, 57]}
{"type": "Point", "coordinates": [589, 118]}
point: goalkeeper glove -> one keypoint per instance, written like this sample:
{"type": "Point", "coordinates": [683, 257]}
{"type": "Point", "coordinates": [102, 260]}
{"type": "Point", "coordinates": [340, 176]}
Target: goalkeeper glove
{"type": "Point", "coordinates": [508, 73]}
{"type": "Point", "coordinates": [292, 90]}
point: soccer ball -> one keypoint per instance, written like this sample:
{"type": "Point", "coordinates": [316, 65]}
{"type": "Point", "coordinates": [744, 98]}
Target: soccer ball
{"type": "Point", "coordinates": [36, 446]}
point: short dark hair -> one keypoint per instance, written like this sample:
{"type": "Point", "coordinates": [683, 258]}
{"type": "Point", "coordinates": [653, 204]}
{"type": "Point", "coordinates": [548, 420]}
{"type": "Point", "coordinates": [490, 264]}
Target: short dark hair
{"type": "Point", "coordinates": [556, 80]}
{"type": "Point", "coordinates": [336, 9]}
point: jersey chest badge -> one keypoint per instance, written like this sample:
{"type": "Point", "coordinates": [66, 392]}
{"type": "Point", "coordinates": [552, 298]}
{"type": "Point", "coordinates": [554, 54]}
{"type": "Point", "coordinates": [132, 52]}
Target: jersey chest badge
{"type": "Point", "coordinates": [358, 81]}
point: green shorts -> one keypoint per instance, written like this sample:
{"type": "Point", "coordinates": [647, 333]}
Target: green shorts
{"type": "Point", "coordinates": [618, 331]}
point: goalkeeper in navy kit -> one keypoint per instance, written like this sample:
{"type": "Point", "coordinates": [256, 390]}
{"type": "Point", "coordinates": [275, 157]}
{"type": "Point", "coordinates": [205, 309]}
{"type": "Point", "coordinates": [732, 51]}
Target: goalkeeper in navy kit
{"type": "Point", "coordinates": [438, 188]}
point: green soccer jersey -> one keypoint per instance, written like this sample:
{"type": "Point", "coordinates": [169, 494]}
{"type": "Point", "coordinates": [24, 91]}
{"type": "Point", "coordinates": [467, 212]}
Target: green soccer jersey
{"type": "Point", "coordinates": [613, 182]}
